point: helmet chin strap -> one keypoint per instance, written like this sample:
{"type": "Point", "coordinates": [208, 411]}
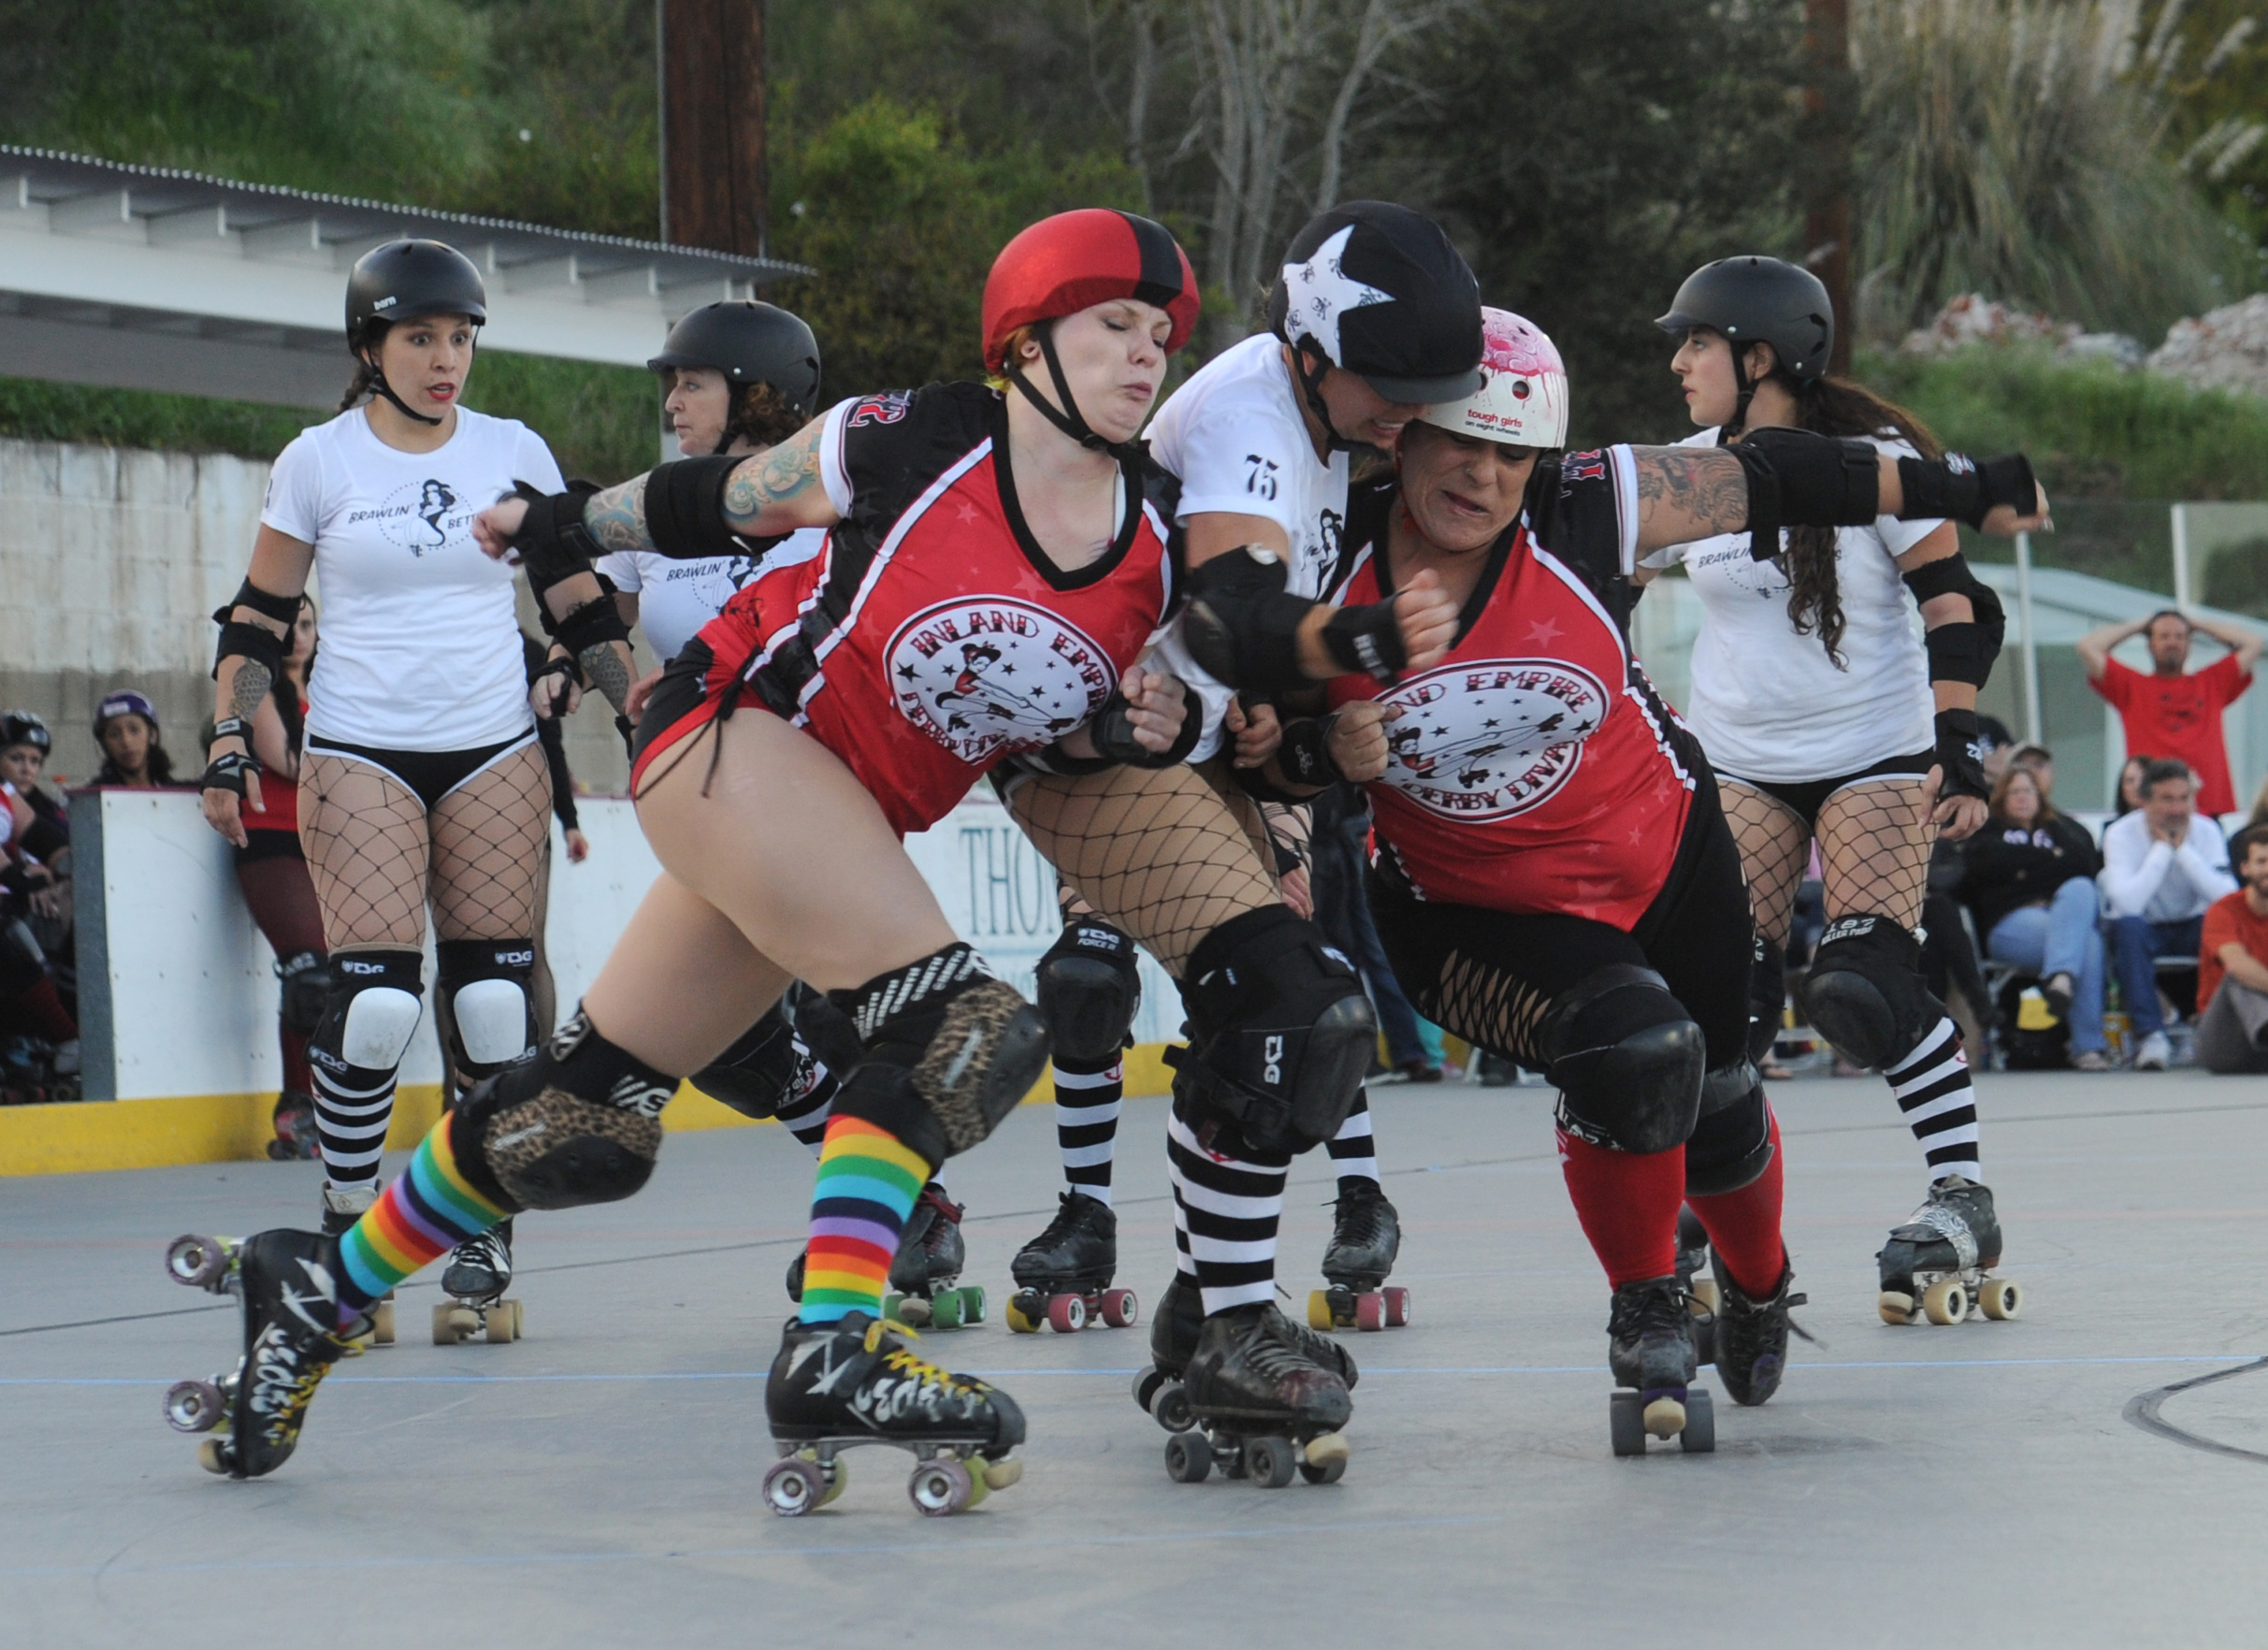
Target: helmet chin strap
{"type": "Point", "coordinates": [1738, 423]}
{"type": "Point", "coordinates": [1067, 417]}
{"type": "Point", "coordinates": [378, 383]}
{"type": "Point", "coordinates": [1311, 386]}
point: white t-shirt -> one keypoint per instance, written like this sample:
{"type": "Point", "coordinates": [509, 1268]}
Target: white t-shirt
{"type": "Point", "coordinates": [1768, 703]}
{"type": "Point", "coordinates": [421, 649]}
{"type": "Point", "coordinates": [1234, 437]}
{"type": "Point", "coordinates": [676, 598]}
{"type": "Point", "coordinates": [2145, 877]}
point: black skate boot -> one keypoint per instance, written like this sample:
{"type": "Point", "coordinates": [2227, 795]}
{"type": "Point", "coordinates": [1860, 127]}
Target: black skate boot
{"type": "Point", "coordinates": [1063, 1275]}
{"type": "Point", "coordinates": [1650, 1348]}
{"type": "Point", "coordinates": [1935, 1264]}
{"type": "Point", "coordinates": [860, 1381]}
{"type": "Point", "coordinates": [928, 1264]}
{"type": "Point", "coordinates": [1264, 1408]}
{"type": "Point", "coordinates": [1700, 1293]}
{"type": "Point", "coordinates": [479, 1273]}
{"type": "Point", "coordinates": [1752, 1335]}
{"type": "Point", "coordinates": [1175, 1332]}
{"type": "Point", "coordinates": [795, 1277]}
{"type": "Point", "coordinates": [293, 1335]}
{"type": "Point", "coordinates": [1366, 1237]}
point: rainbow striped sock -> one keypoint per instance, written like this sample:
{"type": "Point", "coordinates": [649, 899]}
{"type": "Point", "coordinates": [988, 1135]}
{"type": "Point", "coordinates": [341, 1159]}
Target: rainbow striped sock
{"type": "Point", "coordinates": [428, 1212]}
{"type": "Point", "coordinates": [869, 1181]}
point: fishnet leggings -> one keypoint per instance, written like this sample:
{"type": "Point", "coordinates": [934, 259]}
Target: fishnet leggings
{"type": "Point", "coordinates": [1875, 842]}
{"type": "Point", "coordinates": [1167, 854]}
{"type": "Point", "coordinates": [376, 855]}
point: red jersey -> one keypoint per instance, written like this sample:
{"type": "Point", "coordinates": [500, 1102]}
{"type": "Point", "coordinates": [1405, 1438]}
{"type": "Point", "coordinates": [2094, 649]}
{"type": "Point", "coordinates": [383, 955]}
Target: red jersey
{"type": "Point", "coordinates": [1534, 770]}
{"type": "Point", "coordinates": [2179, 716]}
{"type": "Point", "coordinates": [932, 638]}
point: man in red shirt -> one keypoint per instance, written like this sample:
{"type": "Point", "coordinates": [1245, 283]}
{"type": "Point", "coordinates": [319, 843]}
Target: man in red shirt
{"type": "Point", "coordinates": [2232, 966]}
{"type": "Point", "coordinates": [2168, 713]}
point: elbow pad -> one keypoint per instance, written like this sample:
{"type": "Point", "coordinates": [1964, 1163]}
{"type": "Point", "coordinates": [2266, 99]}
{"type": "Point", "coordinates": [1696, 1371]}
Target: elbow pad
{"type": "Point", "coordinates": [245, 641]}
{"type": "Point", "coordinates": [1959, 489]}
{"type": "Point", "coordinates": [684, 507]}
{"type": "Point", "coordinates": [553, 543]}
{"type": "Point", "coordinates": [284, 610]}
{"type": "Point", "coordinates": [1241, 625]}
{"type": "Point", "coordinates": [1798, 479]}
{"type": "Point", "coordinates": [1951, 576]}
{"type": "Point", "coordinates": [591, 625]}
{"type": "Point", "coordinates": [1956, 653]}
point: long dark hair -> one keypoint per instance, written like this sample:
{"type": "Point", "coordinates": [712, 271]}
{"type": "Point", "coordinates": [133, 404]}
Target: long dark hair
{"type": "Point", "coordinates": [1835, 407]}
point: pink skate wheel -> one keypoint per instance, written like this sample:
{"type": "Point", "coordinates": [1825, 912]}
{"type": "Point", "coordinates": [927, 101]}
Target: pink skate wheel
{"type": "Point", "coordinates": [1370, 1311]}
{"type": "Point", "coordinates": [1119, 1307]}
{"type": "Point", "coordinates": [1397, 1307]}
{"type": "Point", "coordinates": [1066, 1314]}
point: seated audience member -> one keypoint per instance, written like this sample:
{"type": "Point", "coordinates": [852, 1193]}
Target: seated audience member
{"type": "Point", "coordinates": [2161, 867]}
{"type": "Point", "coordinates": [125, 726]}
{"type": "Point", "coordinates": [2129, 786]}
{"type": "Point", "coordinates": [44, 876]}
{"type": "Point", "coordinates": [2259, 809]}
{"type": "Point", "coordinates": [2041, 760]}
{"type": "Point", "coordinates": [2030, 881]}
{"type": "Point", "coordinates": [2232, 966]}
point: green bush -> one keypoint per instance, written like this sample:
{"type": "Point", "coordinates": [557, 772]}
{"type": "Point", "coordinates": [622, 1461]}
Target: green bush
{"type": "Point", "coordinates": [35, 412]}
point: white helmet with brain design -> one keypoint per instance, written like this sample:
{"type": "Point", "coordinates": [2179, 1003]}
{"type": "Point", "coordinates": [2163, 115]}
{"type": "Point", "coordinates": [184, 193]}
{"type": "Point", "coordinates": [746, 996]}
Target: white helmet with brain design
{"type": "Point", "coordinates": [1523, 397]}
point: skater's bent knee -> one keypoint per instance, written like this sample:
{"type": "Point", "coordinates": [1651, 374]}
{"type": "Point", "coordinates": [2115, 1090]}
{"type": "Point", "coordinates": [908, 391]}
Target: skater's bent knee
{"type": "Point", "coordinates": [485, 985]}
{"type": "Point", "coordinates": [1090, 989]}
{"type": "Point", "coordinates": [1732, 1144]}
{"type": "Point", "coordinates": [1865, 993]}
{"type": "Point", "coordinates": [375, 1001]}
{"type": "Point", "coordinates": [578, 1121]}
{"type": "Point", "coordinates": [1627, 1059]}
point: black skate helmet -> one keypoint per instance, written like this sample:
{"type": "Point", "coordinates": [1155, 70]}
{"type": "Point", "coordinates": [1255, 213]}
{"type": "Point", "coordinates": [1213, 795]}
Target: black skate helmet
{"type": "Point", "coordinates": [1378, 291]}
{"type": "Point", "coordinates": [1751, 299]}
{"type": "Point", "coordinates": [20, 727]}
{"type": "Point", "coordinates": [404, 278]}
{"type": "Point", "coordinates": [750, 343]}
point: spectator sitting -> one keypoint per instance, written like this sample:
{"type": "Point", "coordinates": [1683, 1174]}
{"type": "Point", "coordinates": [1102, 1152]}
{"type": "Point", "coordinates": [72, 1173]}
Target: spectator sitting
{"type": "Point", "coordinates": [125, 726]}
{"type": "Point", "coordinates": [2129, 787]}
{"type": "Point", "coordinates": [2161, 867]}
{"type": "Point", "coordinates": [45, 874]}
{"type": "Point", "coordinates": [2041, 760]}
{"type": "Point", "coordinates": [2232, 966]}
{"type": "Point", "coordinates": [2030, 881]}
{"type": "Point", "coordinates": [2260, 811]}
{"type": "Point", "coordinates": [2170, 713]}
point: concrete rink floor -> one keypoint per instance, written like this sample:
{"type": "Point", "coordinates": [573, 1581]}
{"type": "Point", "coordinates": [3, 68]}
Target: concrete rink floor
{"type": "Point", "coordinates": [597, 1483]}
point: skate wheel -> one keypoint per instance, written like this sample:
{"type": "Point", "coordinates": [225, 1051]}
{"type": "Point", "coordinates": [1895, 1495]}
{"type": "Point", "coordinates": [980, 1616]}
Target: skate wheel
{"type": "Point", "coordinates": [837, 1474]}
{"type": "Point", "coordinates": [501, 1322]}
{"type": "Point", "coordinates": [1188, 1458]}
{"type": "Point", "coordinates": [1370, 1311]}
{"type": "Point", "coordinates": [193, 1406]}
{"type": "Point", "coordinates": [382, 1323]}
{"type": "Point", "coordinates": [972, 1305]}
{"type": "Point", "coordinates": [940, 1488]}
{"type": "Point", "coordinates": [1319, 1311]}
{"type": "Point", "coordinates": [211, 1457]}
{"type": "Point", "coordinates": [945, 1310]}
{"type": "Point", "coordinates": [444, 1325]}
{"type": "Point", "coordinates": [1665, 1417]}
{"type": "Point", "coordinates": [794, 1486]}
{"type": "Point", "coordinates": [1895, 1306]}
{"type": "Point", "coordinates": [1000, 1475]}
{"type": "Point", "coordinates": [2000, 1298]}
{"type": "Point", "coordinates": [1146, 1382]}
{"type": "Point", "coordinates": [200, 1263]}
{"type": "Point", "coordinates": [1700, 1437]}
{"type": "Point", "coordinates": [1946, 1301]}
{"type": "Point", "coordinates": [1397, 1307]}
{"type": "Point", "coordinates": [1323, 1460]}
{"type": "Point", "coordinates": [1706, 1295]}
{"type": "Point", "coordinates": [1270, 1462]}
{"type": "Point", "coordinates": [1066, 1314]}
{"type": "Point", "coordinates": [1171, 1408]}
{"type": "Point", "coordinates": [1120, 1309]}
{"type": "Point", "coordinates": [1626, 1424]}
{"type": "Point", "coordinates": [1019, 1315]}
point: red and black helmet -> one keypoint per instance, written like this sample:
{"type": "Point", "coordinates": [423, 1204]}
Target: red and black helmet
{"type": "Point", "coordinates": [1075, 260]}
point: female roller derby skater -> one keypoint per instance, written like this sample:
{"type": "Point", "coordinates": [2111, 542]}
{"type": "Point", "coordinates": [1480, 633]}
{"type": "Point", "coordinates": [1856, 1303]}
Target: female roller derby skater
{"type": "Point", "coordinates": [421, 777]}
{"type": "Point", "coordinates": [831, 707]}
{"type": "Point", "coordinates": [1829, 718]}
{"type": "Point", "coordinates": [1554, 880]}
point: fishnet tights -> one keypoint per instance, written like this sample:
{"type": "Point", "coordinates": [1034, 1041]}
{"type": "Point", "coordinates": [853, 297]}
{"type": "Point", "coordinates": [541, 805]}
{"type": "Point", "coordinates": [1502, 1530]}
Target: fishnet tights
{"type": "Point", "coordinates": [1167, 854]}
{"type": "Point", "coordinates": [375, 854]}
{"type": "Point", "coordinates": [1874, 841]}
{"type": "Point", "coordinates": [1486, 1006]}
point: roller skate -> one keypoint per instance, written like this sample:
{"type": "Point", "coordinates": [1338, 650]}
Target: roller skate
{"type": "Point", "coordinates": [343, 1206]}
{"type": "Point", "coordinates": [795, 1277]}
{"type": "Point", "coordinates": [1063, 1275]}
{"type": "Point", "coordinates": [287, 1282]}
{"type": "Point", "coordinates": [1649, 1347]}
{"type": "Point", "coordinates": [294, 1119]}
{"type": "Point", "coordinates": [1700, 1293]}
{"type": "Point", "coordinates": [928, 1266]}
{"type": "Point", "coordinates": [834, 1386]}
{"type": "Point", "coordinates": [479, 1273]}
{"type": "Point", "coordinates": [1366, 1237]}
{"type": "Point", "coordinates": [1257, 1403]}
{"type": "Point", "coordinates": [1935, 1264]}
{"type": "Point", "coordinates": [1751, 1335]}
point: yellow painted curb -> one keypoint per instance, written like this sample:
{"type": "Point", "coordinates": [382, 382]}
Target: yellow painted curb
{"type": "Point", "coordinates": [97, 1136]}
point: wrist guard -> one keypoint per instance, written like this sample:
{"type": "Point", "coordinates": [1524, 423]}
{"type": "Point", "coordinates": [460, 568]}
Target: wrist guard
{"type": "Point", "coordinates": [1366, 641]}
{"type": "Point", "coordinates": [684, 507]}
{"type": "Point", "coordinates": [226, 772]}
{"type": "Point", "coordinates": [553, 544]}
{"type": "Point", "coordinates": [565, 665]}
{"type": "Point", "coordinates": [1959, 489]}
{"type": "Point", "coordinates": [1304, 755]}
{"type": "Point", "coordinates": [232, 728]}
{"type": "Point", "coordinates": [1960, 772]}
{"type": "Point", "coordinates": [1241, 625]}
{"type": "Point", "coordinates": [1112, 731]}
{"type": "Point", "coordinates": [1798, 479]}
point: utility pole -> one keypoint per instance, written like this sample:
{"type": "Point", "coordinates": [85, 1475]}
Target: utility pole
{"type": "Point", "coordinates": [1829, 93]}
{"type": "Point", "coordinates": [711, 67]}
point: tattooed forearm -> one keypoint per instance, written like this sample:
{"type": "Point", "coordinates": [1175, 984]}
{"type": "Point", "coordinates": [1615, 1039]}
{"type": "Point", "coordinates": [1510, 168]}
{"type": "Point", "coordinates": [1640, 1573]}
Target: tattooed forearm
{"type": "Point", "coordinates": [247, 689]}
{"type": "Point", "coordinates": [616, 517]}
{"type": "Point", "coordinates": [607, 667]}
{"type": "Point", "coordinates": [787, 472]}
{"type": "Point", "coordinates": [1686, 493]}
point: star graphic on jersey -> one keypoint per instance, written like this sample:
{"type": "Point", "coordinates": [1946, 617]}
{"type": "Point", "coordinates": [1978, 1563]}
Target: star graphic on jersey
{"type": "Point", "coordinates": [906, 671]}
{"type": "Point", "coordinates": [1544, 632]}
{"type": "Point", "coordinates": [1319, 292]}
{"type": "Point", "coordinates": [1637, 834]}
{"type": "Point", "coordinates": [966, 511]}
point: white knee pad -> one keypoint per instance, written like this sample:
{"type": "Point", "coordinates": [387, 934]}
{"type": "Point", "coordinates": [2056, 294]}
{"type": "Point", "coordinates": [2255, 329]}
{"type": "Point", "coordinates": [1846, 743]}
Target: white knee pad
{"type": "Point", "coordinates": [380, 1022]}
{"type": "Point", "coordinates": [491, 1020]}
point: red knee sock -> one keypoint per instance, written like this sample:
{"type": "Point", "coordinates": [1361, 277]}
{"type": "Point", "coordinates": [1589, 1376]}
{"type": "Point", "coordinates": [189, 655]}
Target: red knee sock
{"type": "Point", "coordinates": [1627, 1204]}
{"type": "Point", "coordinates": [296, 1077]}
{"type": "Point", "coordinates": [45, 1011]}
{"type": "Point", "coordinates": [1744, 1227]}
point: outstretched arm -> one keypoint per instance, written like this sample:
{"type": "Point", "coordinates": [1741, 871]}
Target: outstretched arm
{"type": "Point", "coordinates": [773, 492]}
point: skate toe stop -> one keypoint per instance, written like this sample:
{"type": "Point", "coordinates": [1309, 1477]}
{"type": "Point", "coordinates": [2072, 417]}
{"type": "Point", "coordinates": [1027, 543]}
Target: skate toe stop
{"type": "Point", "coordinates": [1896, 1306]}
{"type": "Point", "coordinates": [1665, 1417]}
{"type": "Point", "coordinates": [1330, 1447]}
{"type": "Point", "coordinates": [999, 1475]}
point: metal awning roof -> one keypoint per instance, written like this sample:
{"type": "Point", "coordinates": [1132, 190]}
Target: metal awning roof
{"type": "Point", "coordinates": [142, 278]}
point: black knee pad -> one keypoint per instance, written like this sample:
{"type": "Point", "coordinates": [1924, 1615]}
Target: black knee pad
{"type": "Point", "coordinates": [1090, 989]}
{"type": "Point", "coordinates": [756, 1074]}
{"type": "Point", "coordinates": [1626, 1058]}
{"type": "Point", "coordinates": [307, 987]}
{"type": "Point", "coordinates": [1767, 998]}
{"type": "Point", "coordinates": [1731, 1144]}
{"type": "Point", "coordinates": [576, 1120]}
{"type": "Point", "coordinates": [1279, 1031]}
{"type": "Point", "coordinates": [949, 1051]}
{"type": "Point", "coordinates": [1864, 993]}
{"type": "Point", "coordinates": [484, 982]}
{"type": "Point", "coordinates": [825, 1029]}
{"type": "Point", "coordinates": [369, 1014]}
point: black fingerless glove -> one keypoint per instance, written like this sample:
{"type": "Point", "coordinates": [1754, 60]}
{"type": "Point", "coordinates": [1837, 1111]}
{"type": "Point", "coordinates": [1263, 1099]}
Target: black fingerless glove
{"type": "Point", "coordinates": [1961, 773]}
{"type": "Point", "coordinates": [226, 773]}
{"type": "Point", "coordinates": [553, 543]}
{"type": "Point", "coordinates": [1366, 641]}
{"type": "Point", "coordinates": [1959, 489]}
{"type": "Point", "coordinates": [1304, 755]}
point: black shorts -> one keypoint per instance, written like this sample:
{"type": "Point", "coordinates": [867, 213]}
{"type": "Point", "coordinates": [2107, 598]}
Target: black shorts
{"type": "Point", "coordinates": [1804, 797]}
{"type": "Point", "coordinates": [1489, 976]}
{"type": "Point", "coordinates": [427, 775]}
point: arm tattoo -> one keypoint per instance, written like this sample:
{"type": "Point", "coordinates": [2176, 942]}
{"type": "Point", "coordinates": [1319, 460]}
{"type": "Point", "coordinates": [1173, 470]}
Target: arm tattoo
{"type": "Point", "coordinates": [788, 471]}
{"type": "Point", "coordinates": [1686, 493]}
{"type": "Point", "coordinates": [616, 517]}
{"type": "Point", "coordinates": [247, 689]}
{"type": "Point", "coordinates": [609, 671]}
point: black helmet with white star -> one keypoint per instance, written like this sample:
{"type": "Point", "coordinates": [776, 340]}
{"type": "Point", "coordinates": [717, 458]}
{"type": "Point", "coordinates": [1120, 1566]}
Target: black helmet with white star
{"type": "Point", "coordinates": [1378, 290]}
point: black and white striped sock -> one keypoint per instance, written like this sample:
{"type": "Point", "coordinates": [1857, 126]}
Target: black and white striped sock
{"type": "Point", "coordinates": [1087, 1097]}
{"type": "Point", "coordinates": [1933, 1088]}
{"type": "Point", "coordinates": [352, 1111]}
{"type": "Point", "coordinates": [810, 1098]}
{"type": "Point", "coordinates": [1226, 1210]}
{"type": "Point", "coordinates": [1354, 1150]}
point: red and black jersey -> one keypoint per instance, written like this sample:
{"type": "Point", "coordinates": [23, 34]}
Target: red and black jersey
{"type": "Point", "coordinates": [1535, 769]}
{"type": "Point", "coordinates": [932, 637]}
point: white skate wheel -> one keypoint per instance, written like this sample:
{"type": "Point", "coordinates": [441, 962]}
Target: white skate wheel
{"type": "Point", "coordinates": [1946, 1301]}
{"type": "Point", "coordinates": [1665, 1417]}
{"type": "Point", "coordinates": [793, 1487]}
{"type": "Point", "coordinates": [1895, 1306]}
{"type": "Point", "coordinates": [2000, 1298]}
{"type": "Point", "coordinates": [940, 1488]}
